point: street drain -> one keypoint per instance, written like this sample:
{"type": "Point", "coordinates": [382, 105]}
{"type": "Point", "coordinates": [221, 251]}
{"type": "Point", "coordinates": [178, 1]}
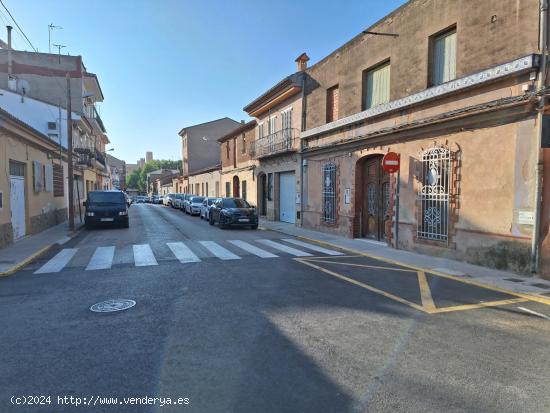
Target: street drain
{"type": "Point", "coordinates": [112, 305]}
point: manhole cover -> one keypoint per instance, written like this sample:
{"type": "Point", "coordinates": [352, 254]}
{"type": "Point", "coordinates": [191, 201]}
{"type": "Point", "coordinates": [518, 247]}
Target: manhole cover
{"type": "Point", "coordinates": [112, 305]}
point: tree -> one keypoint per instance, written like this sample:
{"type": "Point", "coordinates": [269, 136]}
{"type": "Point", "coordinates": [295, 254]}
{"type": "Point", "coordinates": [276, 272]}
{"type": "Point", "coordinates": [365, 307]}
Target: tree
{"type": "Point", "coordinates": [138, 178]}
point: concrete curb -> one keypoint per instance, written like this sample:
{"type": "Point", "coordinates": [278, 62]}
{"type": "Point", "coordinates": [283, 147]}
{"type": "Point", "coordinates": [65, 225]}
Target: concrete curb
{"type": "Point", "coordinates": [527, 296]}
{"type": "Point", "coordinates": [39, 253]}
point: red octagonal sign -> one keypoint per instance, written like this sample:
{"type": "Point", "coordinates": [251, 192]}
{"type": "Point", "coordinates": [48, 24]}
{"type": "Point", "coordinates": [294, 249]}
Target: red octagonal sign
{"type": "Point", "coordinates": [390, 162]}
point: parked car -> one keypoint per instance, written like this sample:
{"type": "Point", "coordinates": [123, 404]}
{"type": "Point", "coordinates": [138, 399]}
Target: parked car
{"type": "Point", "coordinates": [161, 200]}
{"type": "Point", "coordinates": [185, 201]}
{"type": "Point", "coordinates": [168, 199]}
{"type": "Point", "coordinates": [106, 207]}
{"type": "Point", "coordinates": [205, 207]}
{"type": "Point", "coordinates": [154, 199]}
{"type": "Point", "coordinates": [176, 203]}
{"type": "Point", "coordinates": [193, 205]}
{"type": "Point", "coordinates": [233, 212]}
{"type": "Point", "coordinates": [140, 199]}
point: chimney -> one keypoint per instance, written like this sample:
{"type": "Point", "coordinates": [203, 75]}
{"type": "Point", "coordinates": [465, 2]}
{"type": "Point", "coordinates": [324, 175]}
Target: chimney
{"type": "Point", "coordinates": [301, 62]}
{"type": "Point", "coordinates": [9, 52]}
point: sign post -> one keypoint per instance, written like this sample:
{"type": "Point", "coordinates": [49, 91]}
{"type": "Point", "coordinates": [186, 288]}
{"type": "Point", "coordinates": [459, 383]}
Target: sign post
{"type": "Point", "coordinates": [391, 163]}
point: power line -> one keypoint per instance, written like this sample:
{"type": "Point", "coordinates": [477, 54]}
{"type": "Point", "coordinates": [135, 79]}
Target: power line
{"type": "Point", "coordinates": [19, 27]}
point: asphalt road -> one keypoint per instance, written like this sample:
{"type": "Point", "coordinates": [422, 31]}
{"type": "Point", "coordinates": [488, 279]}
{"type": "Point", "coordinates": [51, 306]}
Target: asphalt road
{"type": "Point", "coordinates": [252, 328]}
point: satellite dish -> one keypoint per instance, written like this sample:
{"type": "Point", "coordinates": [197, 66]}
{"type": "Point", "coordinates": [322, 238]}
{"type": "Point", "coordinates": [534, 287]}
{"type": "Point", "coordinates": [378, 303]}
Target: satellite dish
{"type": "Point", "coordinates": [23, 87]}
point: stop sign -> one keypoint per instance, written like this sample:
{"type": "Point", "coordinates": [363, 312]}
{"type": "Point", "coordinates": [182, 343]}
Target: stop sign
{"type": "Point", "coordinates": [390, 162]}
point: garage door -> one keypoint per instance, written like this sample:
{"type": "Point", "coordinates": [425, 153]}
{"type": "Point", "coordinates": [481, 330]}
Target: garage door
{"type": "Point", "coordinates": [287, 190]}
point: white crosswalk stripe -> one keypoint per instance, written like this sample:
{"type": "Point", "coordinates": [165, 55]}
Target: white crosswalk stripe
{"type": "Point", "coordinates": [102, 259]}
{"type": "Point", "coordinates": [182, 252]}
{"type": "Point", "coordinates": [219, 251]}
{"type": "Point", "coordinates": [312, 247]}
{"type": "Point", "coordinates": [143, 255]}
{"type": "Point", "coordinates": [58, 262]}
{"type": "Point", "coordinates": [284, 248]}
{"type": "Point", "coordinates": [252, 249]}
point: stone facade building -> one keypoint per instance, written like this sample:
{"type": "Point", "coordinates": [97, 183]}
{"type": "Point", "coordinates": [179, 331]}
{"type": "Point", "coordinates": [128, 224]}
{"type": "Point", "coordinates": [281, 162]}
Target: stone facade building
{"type": "Point", "coordinates": [237, 165]}
{"type": "Point", "coordinates": [453, 92]}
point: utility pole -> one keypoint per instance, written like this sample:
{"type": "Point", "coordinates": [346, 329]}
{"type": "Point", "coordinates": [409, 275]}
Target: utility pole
{"type": "Point", "coordinates": [70, 154]}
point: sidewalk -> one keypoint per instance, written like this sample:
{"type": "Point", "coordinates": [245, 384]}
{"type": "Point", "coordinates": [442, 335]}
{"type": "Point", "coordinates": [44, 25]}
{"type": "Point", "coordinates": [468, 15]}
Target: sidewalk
{"type": "Point", "coordinates": [495, 278]}
{"type": "Point", "coordinates": [16, 256]}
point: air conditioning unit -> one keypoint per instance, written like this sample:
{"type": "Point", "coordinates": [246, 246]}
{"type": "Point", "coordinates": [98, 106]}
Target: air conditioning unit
{"type": "Point", "coordinates": [53, 128]}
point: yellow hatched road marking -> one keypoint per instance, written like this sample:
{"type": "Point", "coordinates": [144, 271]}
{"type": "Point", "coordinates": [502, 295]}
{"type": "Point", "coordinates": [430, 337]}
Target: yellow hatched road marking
{"type": "Point", "coordinates": [425, 292]}
{"type": "Point", "coordinates": [362, 285]}
{"type": "Point", "coordinates": [479, 305]}
{"type": "Point", "coordinates": [361, 265]}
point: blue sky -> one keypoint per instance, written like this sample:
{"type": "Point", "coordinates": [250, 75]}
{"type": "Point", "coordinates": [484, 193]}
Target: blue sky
{"type": "Point", "coordinates": [166, 64]}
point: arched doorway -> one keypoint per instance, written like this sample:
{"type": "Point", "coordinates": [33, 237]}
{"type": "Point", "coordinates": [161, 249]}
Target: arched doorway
{"type": "Point", "coordinates": [373, 198]}
{"type": "Point", "coordinates": [236, 187]}
{"type": "Point", "coordinates": [262, 194]}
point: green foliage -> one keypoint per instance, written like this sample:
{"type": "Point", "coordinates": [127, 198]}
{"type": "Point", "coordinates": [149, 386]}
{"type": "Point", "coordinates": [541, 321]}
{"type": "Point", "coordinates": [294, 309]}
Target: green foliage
{"type": "Point", "coordinates": [138, 178]}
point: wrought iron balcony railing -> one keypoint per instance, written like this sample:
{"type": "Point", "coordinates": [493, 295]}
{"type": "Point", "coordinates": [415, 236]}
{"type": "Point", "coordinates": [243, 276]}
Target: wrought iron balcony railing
{"type": "Point", "coordinates": [281, 141]}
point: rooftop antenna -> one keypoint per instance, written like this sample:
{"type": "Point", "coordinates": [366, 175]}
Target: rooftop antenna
{"type": "Point", "coordinates": [51, 27]}
{"type": "Point", "coordinates": [59, 47]}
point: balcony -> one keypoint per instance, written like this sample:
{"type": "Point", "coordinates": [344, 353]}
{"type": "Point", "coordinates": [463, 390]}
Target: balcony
{"type": "Point", "coordinates": [275, 143]}
{"type": "Point", "coordinates": [100, 157]}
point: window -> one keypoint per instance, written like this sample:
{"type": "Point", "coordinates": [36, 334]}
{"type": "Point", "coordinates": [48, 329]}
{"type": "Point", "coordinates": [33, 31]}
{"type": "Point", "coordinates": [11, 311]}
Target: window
{"type": "Point", "coordinates": [243, 189]}
{"type": "Point", "coordinates": [17, 168]}
{"type": "Point", "coordinates": [37, 173]}
{"type": "Point", "coordinates": [332, 103]}
{"type": "Point", "coordinates": [197, 189]}
{"type": "Point", "coordinates": [433, 196]}
{"type": "Point", "coordinates": [260, 131]}
{"type": "Point", "coordinates": [243, 146]}
{"type": "Point", "coordinates": [227, 149]}
{"type": "Point", "coordinates": [227, 189]}
{"type": "Point", "coordinates": [1, 201]}
{"type": "Point", "coordinates": [202, 189]}
{"type": "Point", "coordinates": [270, 187]}
{"type": "Point", "coordinates": [48, 178]}
{"type": "Point", "coordinates": [272, 125]}
{"type": "Point", "coordinates": [206, 194]}
{"type": "Point", "coordinates": [377, 86]}
{"type": "Point", "coordinates": [286, 118]}
{"type": "Point", "coordinates": [329, 193]}
{"type": "Point", "coordinates": [444, 58]}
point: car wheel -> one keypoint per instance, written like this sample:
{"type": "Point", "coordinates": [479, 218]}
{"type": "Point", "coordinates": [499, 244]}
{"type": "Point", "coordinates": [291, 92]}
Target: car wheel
{"type": "Point", "coordinates": [222, 224]}
{"type": "Point", "coordinates": [254, 226]}
{"type": "Point", "coordinates": [126, 224]}
{"type": "Point", "coordinates": [89, 226]}
{"type": "Point", "coordinates": [211, 220]}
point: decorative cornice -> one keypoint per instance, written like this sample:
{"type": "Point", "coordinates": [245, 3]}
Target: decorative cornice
{"type": "Point", "coordinates": [517, 66]}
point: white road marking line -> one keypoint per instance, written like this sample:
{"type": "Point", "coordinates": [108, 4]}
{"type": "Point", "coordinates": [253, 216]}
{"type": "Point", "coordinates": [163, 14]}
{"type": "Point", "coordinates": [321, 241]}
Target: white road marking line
{"type": "Point", "coordinates": [252, 249]}
{"type": "Point", "coordinates": [182, 252]}
{"type": "Point", "coordinates": [219, 251]}
{"type": "Point", "coordinates": [143, 255]}
{"type": "Point", "coordinates": [102, 259]}
{"type": "Point", "coordinates": [535, 313]}
{"type": "Point", "coordinates": [312, 247]}
{"type": "Point", "coordinates": [58, 262]}
{"type": "Point", "coordinates": [285, 248]}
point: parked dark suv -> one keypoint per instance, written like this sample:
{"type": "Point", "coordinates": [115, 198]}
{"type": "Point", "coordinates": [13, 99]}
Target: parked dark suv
{"type": "Point", "coordinates": [233, 212]}
{"type": "Point", "coordinates": [106, 207]}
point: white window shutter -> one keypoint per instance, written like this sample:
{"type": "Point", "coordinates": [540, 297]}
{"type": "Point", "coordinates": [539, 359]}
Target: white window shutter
{"type": "Point", "coordinates": [48, 171]}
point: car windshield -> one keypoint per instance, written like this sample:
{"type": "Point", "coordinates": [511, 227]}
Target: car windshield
{"type": "Point", "coordinates": [211, 201]}
{"type": "Point", "coordinates": [179, 196]}
{"type": "Point", "coordinates": [106, 198]}
{"type": "Point", "coordinates": [235, 203]}
{"type": "Point", "coordinates": [197, 199]}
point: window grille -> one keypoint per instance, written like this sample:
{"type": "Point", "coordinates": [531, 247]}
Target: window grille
{"type": "Point", "coordinates": [433, 196]}
{"type": "Point", "coordinates": [329, 193]}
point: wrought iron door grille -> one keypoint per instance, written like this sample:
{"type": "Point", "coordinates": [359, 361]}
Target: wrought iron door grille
{"type": "Point", "coordinates": [329, 193]}
{"type": "Point", "coordinates": [433, 196]}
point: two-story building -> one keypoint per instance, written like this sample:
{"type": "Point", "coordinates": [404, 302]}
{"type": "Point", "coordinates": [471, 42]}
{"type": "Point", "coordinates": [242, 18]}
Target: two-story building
{"type": "Point", "coordinates": [454, 93]}
{"type": "Point", "coordinates": [201, 156]}
{"type": "Point", "coordinates": [237, 165]}
{"type": "Point", "coordinates": [43, 76]}
{"type": "Point", "coordinates": [279, 117]}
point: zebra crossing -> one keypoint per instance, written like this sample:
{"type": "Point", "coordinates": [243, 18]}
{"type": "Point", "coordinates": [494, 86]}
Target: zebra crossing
{"type": "Point", "coordinates": [143, 255]}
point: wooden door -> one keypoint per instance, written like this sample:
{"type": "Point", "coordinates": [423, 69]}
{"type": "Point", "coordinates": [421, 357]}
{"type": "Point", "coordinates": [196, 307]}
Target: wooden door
{"type": "Point", "coordinates": [376, 196]}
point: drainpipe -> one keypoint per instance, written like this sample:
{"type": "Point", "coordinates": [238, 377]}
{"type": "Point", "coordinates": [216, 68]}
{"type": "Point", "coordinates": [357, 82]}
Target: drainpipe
{"type": "Point", "coordinates": [300, 159]}
{"type": "Point", "coordinates": [535, 238]}
{"type": "Point", "coordinates": [9, 51]}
